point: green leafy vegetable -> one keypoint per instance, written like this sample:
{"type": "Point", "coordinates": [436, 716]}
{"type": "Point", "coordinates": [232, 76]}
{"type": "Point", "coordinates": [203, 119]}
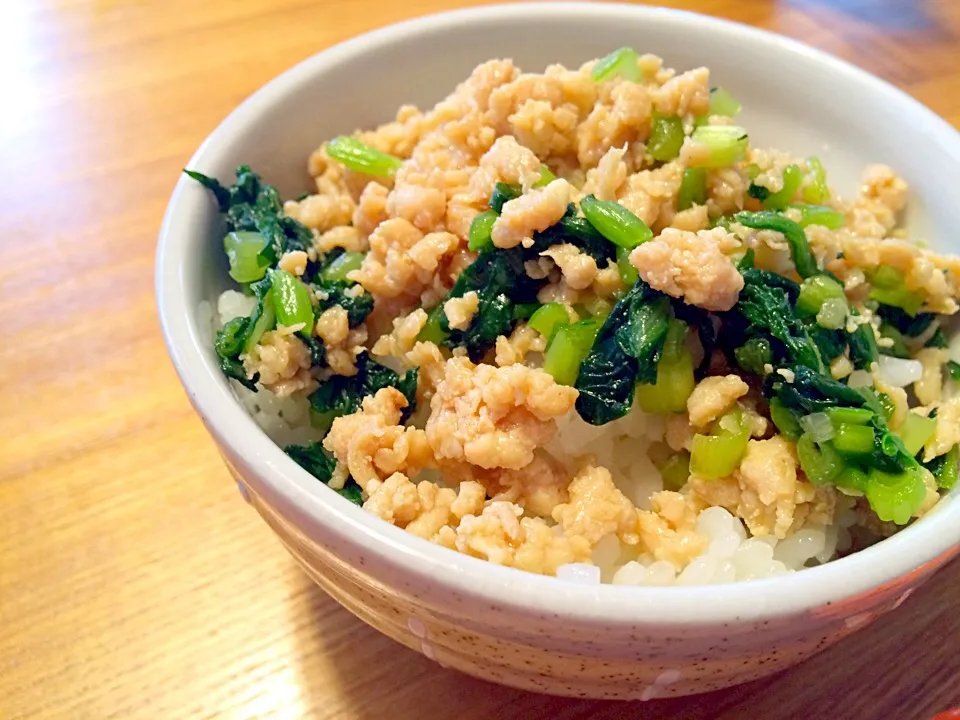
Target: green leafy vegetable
{"type": "Point", "coordinates": [816, 190]}
{"type": "Point", "coordinates": [953, 369]}
{"type": "Point", "coordinates": [908, 325]}
{"type": "Point", "coordinates": [239, 335]}
{"type": "Point", "coordinates": [785, 419]}
{"type": "Point", "coordinates": [863, 346]}
{"type": "Point", "coordinates": [360, 157]}
{"type": "Point", "coordinates": [291, 301]}
{"type": "Point", "coordinates": [723, 103]}
{"type": "Point", "coordinates": [850, 439]}
{"type": "Point", "coordinates": [250, 205]}
{"type": "Point", "coordinates": [433, 330]}
{"type": "Point", "coordinates": [693, 188]}
{"type": "Point", "coordinates": [615, 222]}
{"type": "Point", "coordinates": [717, 455]}
{"type": "Point", "coordinates": [336, 270]}
{"type": "Point", "coordinates": [623, 63]}
{"type": "Point", "coordinates": [754, 355]}
{"type": "Point", "coordinates": [889, 288]}
{"type": "Point", "coordinates": [576, 231]}
{"type": "Point", "coordinates": [916, 431]}
{"type": "Point", "coordinates": [675, 380]}
{"type": "Point", "coordinates": [815, 291]}
{"type": "Point", "coordinates": [666, 137]}
{"type": "Point", "coordinates": [821, 463]}
{"type": "Point", "coordinates": [342, 395]}
{"type": "Point", "coordinates": [896, 497]}
{"type": "Point", "coordinates": [945, 468]}
{"type": "Point", "coordinates": [548, 317]}
{"type": "Point", "coordinates": [501, 282]}
{"type": "Point", "coordinates": [319, 463]}
{"type": "Point", "coordinates": [766, 309]}
{"type": "Point", "coordinates": [568, 348]}
{"type": "Point", "coordinates": [243, 251]}
{"type": "Point", "coordinates": [803, 259]}
{"type": "Point", "coordinates": [502, 194]}
{"type": "Point", "coordinates": [628, 273]}
{"type": "Point", "coordinates": [792, 178]}
{"type": "Point", "coordinates": [725, 145]}
{"type": "Point", "coordinates": [546, 176]}
{"type": "Point", "coordinates": [819, 215]}
{"type": "Point", "coordinates": [480, 231]}
{"type": "Point", "coordinates": [627, 351]}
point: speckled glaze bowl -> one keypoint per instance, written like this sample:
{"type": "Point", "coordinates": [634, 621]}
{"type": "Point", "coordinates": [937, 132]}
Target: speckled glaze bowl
{"type": "Point", "coordinates": [500, 624]}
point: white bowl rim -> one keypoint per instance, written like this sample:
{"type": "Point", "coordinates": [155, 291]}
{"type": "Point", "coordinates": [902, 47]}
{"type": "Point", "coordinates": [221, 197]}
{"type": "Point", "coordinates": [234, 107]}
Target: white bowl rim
{"type": "Point", "coordinates": [298, 492]}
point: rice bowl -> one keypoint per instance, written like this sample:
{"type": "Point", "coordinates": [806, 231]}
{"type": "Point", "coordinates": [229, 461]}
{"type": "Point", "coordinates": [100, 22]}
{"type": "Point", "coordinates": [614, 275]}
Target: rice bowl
{"type": "Point", "coordinates": [490, 244]}
{"type": "Point", "coordinates": [520, 628]}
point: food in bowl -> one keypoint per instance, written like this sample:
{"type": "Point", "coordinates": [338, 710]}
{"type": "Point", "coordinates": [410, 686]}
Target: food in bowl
{"type": "Point", "coordinates": [575, 323]}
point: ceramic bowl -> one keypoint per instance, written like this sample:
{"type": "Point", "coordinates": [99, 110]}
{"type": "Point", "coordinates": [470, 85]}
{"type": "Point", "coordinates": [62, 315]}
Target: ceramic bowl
{"type": "Point", "coordinates": [497, 623]}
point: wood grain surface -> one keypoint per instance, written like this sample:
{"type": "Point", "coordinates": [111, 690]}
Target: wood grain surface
{"type": "Point", "coordinates": [134, 582]}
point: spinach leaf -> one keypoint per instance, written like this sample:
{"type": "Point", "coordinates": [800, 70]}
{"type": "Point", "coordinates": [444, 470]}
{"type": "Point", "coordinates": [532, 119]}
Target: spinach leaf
{"type": "Point", "coordinates": [812, 392]}
{"type": "Point", "coordinates": [907, 325]}
{"type": "Point", "coordinates": [577, 231]}
{"type": "Point", "coordinates": [765, 304]}
{"type": "Point", "coordinates": [319, 463]}
{"type": "Point", "coordinates": [758, 192]}
{"type": "Point", "coordinates": [252, 205]}
{"type": "Point", "coordinates": [342, 395]}
{"type": "Point", "coordinates": [233, 338]}
{"type": "Point", "coordinates": [358, 307]}
{"type": "Point", "coordinates": [626, 351]}
{"type": "Point", "coordinates": [501, 283]}
{"type": "Point", "coordinates": [502, 194]}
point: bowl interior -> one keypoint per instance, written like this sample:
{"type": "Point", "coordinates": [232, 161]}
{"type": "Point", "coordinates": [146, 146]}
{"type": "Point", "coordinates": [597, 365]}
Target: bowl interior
{"type": "Point", "coordinates": [795, 99]}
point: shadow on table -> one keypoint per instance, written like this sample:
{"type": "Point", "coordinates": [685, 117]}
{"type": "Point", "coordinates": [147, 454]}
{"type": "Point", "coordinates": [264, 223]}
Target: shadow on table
{"type": "Point", "coordinates": [871, 674]}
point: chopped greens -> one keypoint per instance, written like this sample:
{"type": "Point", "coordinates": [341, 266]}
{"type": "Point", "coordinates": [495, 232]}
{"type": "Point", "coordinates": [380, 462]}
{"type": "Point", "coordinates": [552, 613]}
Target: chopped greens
{"type": "Point", "coordinates": [723, 103]}
{"type": "Point", "coordinates": [291, 301]}
{"type": "Point", "coordinates": [250, 205]}
{"type": "Point", "coordinates": [718, 454]}
{"type": "Point", "coordinates": [480, 231]}
{"type": "Point", "coordinates": [615, 222]}
{"type": "Point", "coordinates": [502, 194]}
{"type": "Point", "coordinates": [724, 145]}
{"type": "Point", "coordinates": [319, 463]}
{"type": "Point", "coordinates": [360, 157]}
{"type": "Point", "coordinates": [803, 258]}
{"type": "Point", "coordinates": [342, 395]}
{"type": "Point", "coordinates": [666, 137]}
{"type": "Point", "coordinates": [240, 334]}
{"type": "Point", "coordinates": [693, 188]}
{"type": "Point", "coordinates": [243, 251]}
{"type": "Point", "coordinates": [627, 351]}
{"type": "Point", "coordinates": [623, 63]}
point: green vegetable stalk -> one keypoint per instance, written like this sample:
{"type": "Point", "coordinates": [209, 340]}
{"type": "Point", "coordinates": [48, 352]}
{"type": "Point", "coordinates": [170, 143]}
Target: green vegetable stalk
{"type": "Point", "coordinates": [623, 63]}
{"type": "Point", "coordinates": [666, 138]}
{"type": "Point", "coordinates": [615, 222]}
{"type": "Point", "coordinates": [359, 157]}
{"type": "Point", "coordinates": [803, 258]}
{"type": "Point", "coordinates": [718, 454]}
{"type": "Point", "coordinates": [291, 301]}
{"type": "Point", "coordinates": [725, 144]}
{"type": "Point", "coordinates": [675, 381]}
{"type": "Point", "coordinates": [693, 188]}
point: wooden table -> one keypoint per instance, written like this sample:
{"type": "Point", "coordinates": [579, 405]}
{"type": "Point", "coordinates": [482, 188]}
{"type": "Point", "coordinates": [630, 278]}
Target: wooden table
{"type": "Point", "coordinates": [134, 582]}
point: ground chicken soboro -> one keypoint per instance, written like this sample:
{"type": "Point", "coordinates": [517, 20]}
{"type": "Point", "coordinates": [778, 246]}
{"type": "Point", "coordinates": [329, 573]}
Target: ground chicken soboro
{"type": "Point", "coordinates": [498, 460]}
